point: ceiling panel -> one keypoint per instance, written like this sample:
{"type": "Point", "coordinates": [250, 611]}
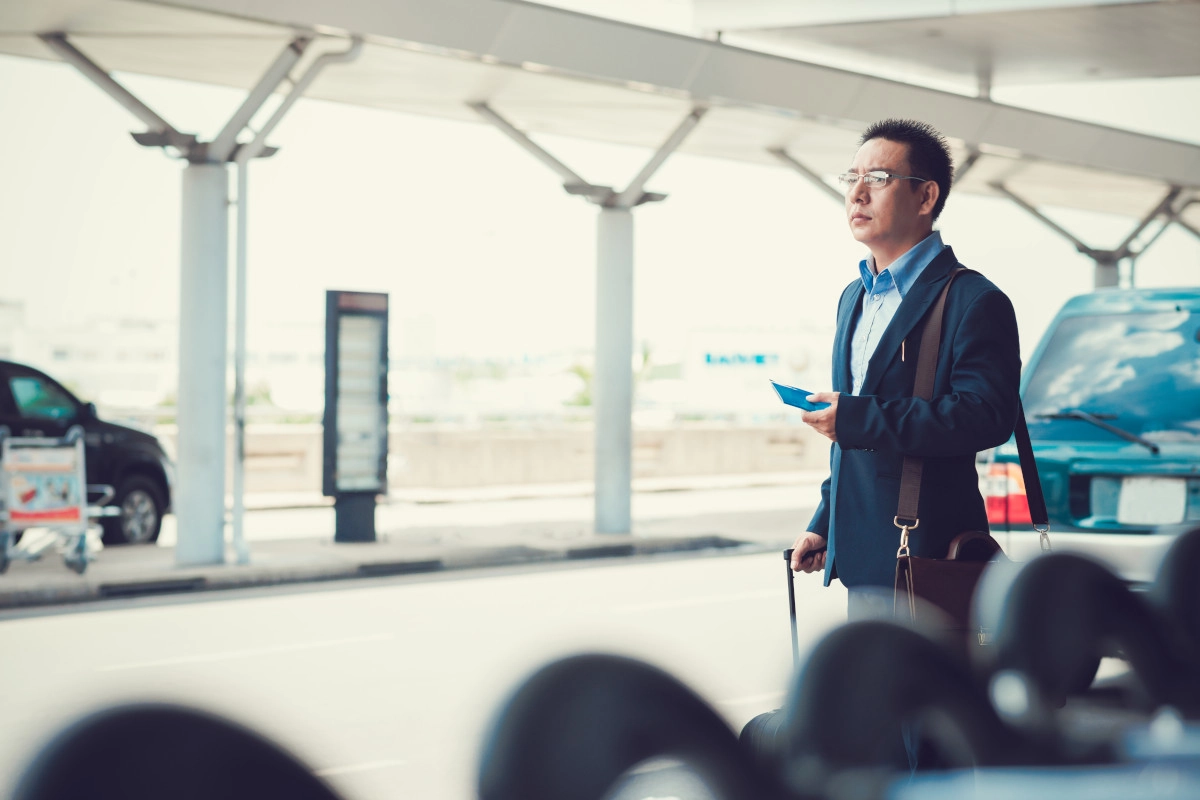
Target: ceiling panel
{"type": "Point", "coordinates": [1089, 42]}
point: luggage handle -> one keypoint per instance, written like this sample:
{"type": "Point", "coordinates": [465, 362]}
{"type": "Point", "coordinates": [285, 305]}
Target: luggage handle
{"type": "Point", "coordinates": [787, 560]}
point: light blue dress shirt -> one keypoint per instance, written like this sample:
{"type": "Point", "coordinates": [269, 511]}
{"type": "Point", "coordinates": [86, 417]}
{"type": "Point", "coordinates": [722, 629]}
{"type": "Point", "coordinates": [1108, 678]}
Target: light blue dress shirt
{"type": "Point", "coordinates": [884, 293]}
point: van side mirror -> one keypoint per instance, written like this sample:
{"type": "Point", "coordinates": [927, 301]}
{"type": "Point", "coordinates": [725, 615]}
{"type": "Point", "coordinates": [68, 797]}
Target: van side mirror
{"type": "Point", "coordinates": [88, 411]}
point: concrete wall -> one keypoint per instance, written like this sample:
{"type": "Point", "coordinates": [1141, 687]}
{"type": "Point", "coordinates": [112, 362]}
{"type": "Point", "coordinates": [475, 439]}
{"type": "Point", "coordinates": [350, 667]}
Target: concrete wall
{"type": "Point", "coordinates": [287, 458]}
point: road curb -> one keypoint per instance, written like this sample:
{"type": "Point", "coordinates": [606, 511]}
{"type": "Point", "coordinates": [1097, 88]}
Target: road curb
{"type": "Point", "coordinates": [232, 576]}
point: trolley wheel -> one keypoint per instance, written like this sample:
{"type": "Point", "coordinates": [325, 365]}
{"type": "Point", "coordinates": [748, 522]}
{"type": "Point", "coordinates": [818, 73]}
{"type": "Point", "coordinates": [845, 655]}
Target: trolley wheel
{"type": "Point", "coordinates": [141, 502]}
{"type": "Point", "coordinates": [78, 564]}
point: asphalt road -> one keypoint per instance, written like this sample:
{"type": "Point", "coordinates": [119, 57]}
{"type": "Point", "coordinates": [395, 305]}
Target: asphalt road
{"type": "Point", "coordinates": [385, 686]}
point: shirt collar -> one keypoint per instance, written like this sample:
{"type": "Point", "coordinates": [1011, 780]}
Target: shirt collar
{"type": "Point", "coordinates": [905, 270]}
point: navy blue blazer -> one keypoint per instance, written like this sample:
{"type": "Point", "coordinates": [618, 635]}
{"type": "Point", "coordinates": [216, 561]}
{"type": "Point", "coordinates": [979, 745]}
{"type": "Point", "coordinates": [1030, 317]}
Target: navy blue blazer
{"type": "Point", "coordinates": [974, 407]}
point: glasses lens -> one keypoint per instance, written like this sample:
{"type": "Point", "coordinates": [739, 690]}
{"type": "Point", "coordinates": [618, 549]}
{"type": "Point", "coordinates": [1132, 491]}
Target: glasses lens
{"type": "Point", "coordinates": [875, 178]}
{"type": "Point", "coordinates": [847, 179]}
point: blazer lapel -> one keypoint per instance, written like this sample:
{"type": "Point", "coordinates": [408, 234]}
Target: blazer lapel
{"type": "Point", "coordinates": [847, 314]}
{"type": "Point", "coordinates": [912, 308]}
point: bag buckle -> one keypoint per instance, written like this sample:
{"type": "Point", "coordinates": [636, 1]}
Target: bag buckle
{"type": "Point", "coordinates": [1043, 537]}
{"type": "Point", "coordinates": [904, 529]}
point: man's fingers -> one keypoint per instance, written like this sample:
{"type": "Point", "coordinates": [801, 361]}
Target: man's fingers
{"type": "Point", "coordinates": [798, 562]}
{"type": "Point", "coordinates": [808, 553]}
{"type": "Point", "coordinates": [814, 417]}
{"type": "Point", "coordinates": [814, 562]}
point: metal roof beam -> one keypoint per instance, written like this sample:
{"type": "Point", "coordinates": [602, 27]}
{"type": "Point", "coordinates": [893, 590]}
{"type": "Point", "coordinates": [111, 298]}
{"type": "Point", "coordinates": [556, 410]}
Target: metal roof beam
{"type": "Point", "coordinates": [968, 164]}
{"type": "Point", "coordinates": [815, 179]}
{"type": "Point", "coordinates": [225, 143]}
{"type": "Point", "coordinates": [573, 182]}
{"type": "Point", "coordinates": [1177, 217]}
{"type": "Point", "coordinates": [1164, 207]}
{"type": "Point", "coordinates": [161, 133]}
{"type": "Point", "coordinates": [1189, 228]}
{"type": "Point", "coordinates": [259, 143]}
{"type": "Point", "coordinates": [1107, 260]}
{"type": "Point", "coordinates": [1038, 215]}
{"type": "Point", "coordinates": [574, 45]}
{"type": "Point", "coordinates": [633, 194]}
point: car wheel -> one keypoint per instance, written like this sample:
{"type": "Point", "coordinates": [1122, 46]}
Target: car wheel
{"type": "Point", "coordinates": [140, 501]}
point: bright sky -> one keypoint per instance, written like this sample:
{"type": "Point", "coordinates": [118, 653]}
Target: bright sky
{"type": "Point", "coordinates": [475, 240]}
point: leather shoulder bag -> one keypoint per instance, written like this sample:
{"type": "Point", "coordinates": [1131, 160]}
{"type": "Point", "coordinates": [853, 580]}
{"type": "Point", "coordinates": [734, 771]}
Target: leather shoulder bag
{"type": "Point", "coordinates": [945, 586]}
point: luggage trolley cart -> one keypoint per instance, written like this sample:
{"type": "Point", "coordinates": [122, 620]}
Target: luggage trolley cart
{"type": "Point", "coordinates": [43, 484]}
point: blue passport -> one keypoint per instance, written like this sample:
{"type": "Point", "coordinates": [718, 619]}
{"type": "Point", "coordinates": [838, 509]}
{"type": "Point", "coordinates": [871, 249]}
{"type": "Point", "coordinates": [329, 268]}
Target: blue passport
{"type": "Point", "coordinates": [796, 397]}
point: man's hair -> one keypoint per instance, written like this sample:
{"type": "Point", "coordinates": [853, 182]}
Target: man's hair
{"type": "Point", "coordinates": [928, 153]}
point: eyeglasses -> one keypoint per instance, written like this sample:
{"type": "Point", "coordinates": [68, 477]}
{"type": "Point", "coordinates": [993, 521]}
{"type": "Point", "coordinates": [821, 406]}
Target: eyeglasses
{"type": "Point", "coordinates": [872, 179]}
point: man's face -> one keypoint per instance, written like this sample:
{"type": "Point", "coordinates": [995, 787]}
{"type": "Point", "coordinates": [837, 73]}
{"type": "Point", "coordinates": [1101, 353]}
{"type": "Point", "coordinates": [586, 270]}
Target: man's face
{"type": "Point", "coordinates": [892, 214]}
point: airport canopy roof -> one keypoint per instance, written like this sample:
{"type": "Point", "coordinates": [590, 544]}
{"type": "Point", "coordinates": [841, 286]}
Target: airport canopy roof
{"type": "Point", "coordinates": [1003, 42]}
{"type": "Point", "coordinates": [548, 70]}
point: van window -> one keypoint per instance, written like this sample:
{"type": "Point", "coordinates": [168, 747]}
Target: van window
{"type": "Point", "coordinates": [1141, 372]}
{"type": "Point", "coordinates": [36, 398]}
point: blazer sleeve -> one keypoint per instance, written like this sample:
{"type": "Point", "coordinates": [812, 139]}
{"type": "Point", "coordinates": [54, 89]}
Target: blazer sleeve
{"type": "Point", "coordinates": [819, 524]}
{"type": "Point", "coordinates": [978, 412]}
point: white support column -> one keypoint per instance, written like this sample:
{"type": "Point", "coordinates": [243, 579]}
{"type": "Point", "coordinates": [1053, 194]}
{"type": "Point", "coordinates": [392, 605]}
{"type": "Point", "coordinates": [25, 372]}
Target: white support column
{"type": "Point", "coordinates": [1105, 273]}
{"type": "Point", "coordinates": [203, 300]}
{"type": "Point", "coordinates": [612, 381]}
{"type": "Point", "coordinates": [244, 153]}
{"type": "Point", "coordinates": [199, 501]}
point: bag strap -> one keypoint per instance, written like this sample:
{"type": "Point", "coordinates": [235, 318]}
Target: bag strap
{"type": "Point", "coordinates": [910, 475]}
{"type": "Point", "coordinates": [1033, 482]}
{"type": "Point", "coordinates": [907, 518]}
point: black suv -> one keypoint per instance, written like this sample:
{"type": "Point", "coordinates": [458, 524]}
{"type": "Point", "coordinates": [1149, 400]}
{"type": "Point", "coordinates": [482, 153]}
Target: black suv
{"type": "Point", "coordinates": [131, 461]}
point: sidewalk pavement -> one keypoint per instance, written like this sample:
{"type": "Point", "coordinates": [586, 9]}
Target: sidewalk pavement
{"type": "Point", "coordinates": [138, 571]}
{"type": "Point", "coordinates": [525, 491]}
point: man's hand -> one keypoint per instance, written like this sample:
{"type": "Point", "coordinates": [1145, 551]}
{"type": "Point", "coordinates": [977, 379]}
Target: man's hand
{"type": "Point", "coordinates": [824, 421]}
{"type": "Point", "coordinates": [813, 546]}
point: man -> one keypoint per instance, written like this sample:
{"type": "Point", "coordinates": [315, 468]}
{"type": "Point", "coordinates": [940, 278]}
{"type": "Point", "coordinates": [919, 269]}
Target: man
{"type": "Point", "coordinates": [896, 188]}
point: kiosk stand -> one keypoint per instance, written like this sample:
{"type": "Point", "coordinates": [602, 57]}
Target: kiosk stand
{"type": "Point", "coordinates": [356, 416]}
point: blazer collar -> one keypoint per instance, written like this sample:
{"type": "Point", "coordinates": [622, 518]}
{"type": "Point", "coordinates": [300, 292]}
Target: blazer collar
{"type": "Point", "coordinates": [918, 300]}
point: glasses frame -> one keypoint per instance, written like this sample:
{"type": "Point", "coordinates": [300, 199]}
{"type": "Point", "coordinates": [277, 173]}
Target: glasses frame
{"type": "Point", "coordinates": [848, 180]}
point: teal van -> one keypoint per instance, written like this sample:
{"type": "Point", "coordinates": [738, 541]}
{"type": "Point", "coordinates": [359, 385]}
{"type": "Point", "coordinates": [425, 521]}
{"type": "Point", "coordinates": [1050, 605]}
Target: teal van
{"type": "Point", "coordinates": [1112, 396]}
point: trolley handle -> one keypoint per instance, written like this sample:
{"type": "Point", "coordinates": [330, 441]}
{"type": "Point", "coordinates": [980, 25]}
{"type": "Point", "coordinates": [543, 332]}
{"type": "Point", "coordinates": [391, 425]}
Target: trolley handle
{"type": "Point", "coordinates": [106, 492]}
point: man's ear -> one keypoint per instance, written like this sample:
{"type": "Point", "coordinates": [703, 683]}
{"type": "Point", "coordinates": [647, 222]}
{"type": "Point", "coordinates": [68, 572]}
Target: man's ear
{"type": "Point", "coordinates": [930, 192]}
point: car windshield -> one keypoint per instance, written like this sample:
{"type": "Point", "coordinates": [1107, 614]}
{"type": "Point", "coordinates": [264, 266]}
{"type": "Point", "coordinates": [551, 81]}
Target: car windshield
{"type": "Point", "coordinates": [1139, 372]}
